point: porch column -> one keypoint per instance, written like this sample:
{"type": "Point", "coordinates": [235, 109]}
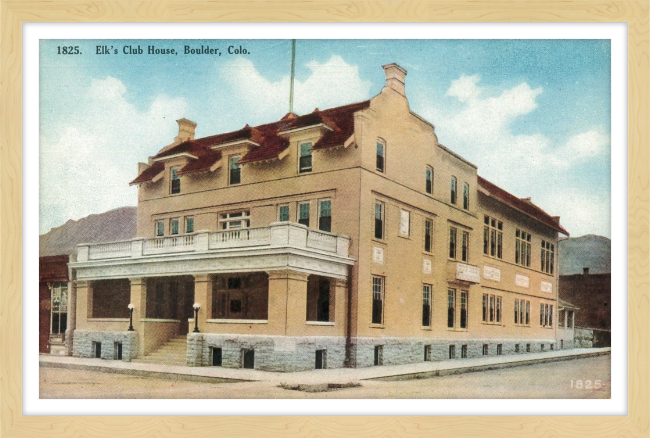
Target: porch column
{"type": "Point", "coordinates": [139, 301]}
{"type": "Point", "coordinates": [72, 317]}
{"type": "Point", "coordinates": [288, 302]}
{"type": "Point", "coordinates": [340, 302]}
{"type": "Point", "coordinates": [566, 318]}
{"type": "Point", "coordinates": [84, 302]}
{"type": "Point", "coordinates": [573, 319]}
{"type": "Point", "coordinates": [203, 296]}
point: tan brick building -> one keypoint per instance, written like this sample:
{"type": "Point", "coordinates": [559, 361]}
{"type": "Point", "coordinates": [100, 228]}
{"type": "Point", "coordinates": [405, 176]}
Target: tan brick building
{"type": "Point", "coordinates": [344, 237]}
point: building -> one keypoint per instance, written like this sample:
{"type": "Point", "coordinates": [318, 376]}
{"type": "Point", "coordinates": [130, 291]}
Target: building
{"type": "Point", "coordinates": [345, 237]}
{"type": "Point", "coordinates": [592, 294]}
{"type": "Point", "coordinates": [54, 332]}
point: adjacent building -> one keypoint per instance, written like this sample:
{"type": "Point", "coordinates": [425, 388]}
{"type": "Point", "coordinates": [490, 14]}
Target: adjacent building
{"type": "Point", "coordinates": [347, 237]}
{"type": "Point", "coordinates": [54, 332]}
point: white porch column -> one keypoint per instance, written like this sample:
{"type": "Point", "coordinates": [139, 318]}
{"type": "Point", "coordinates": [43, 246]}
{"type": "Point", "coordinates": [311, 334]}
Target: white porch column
{"type": "Point", "coordinates": [72, 317]}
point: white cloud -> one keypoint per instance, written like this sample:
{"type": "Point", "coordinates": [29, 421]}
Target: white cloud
{"type": "Point", "coordinates": [87, 163]}
{"type": "Point", "coordinates": [330, 84]}
{"type": "Point", "coordinates": [465, 88]}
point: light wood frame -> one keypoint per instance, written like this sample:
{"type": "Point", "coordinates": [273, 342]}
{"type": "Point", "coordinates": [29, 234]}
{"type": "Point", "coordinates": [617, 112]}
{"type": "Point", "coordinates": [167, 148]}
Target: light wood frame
{"type": "Point", "coordinates": [14, 13]}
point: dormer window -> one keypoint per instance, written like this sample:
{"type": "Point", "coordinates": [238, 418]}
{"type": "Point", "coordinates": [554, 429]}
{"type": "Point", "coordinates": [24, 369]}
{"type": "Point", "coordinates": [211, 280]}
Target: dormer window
{"type": "Point", "coordinates": [176, 181]}
{"type": "Point", "coordinates": [235, 170]}
{"type": "Point", "coordinates": [305, 158]}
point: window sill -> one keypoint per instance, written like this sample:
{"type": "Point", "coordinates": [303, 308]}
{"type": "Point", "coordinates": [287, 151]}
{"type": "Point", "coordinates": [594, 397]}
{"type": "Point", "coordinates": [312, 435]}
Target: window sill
{"type": "Point", "coordinates": [237, 321]}
{"type": "Point", "coordinates": [383, 242]}
{"type": "Point", "coordinates": [158, 320]}
{"type": "Point", "coordinates": [325, 323]}
{"type": "Point", "coordinates": [377, 326]}
{"type": "Point", "coordinates": [426, 328]}
{"type": "Point", "coordinates": [108, 319]}
{"type": "Point", "coordinates": [455, 329]}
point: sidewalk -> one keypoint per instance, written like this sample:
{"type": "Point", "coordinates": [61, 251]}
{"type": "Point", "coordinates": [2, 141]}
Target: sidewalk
{"type": "Point", "coordinates": [319, 377]}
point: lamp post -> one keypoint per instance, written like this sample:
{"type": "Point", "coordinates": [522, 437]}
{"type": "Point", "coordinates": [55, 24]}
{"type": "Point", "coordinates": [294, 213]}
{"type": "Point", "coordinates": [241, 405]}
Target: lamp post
{"type": "Point", "coordinates": [130, 306]}
{"type": "Point", "coordinates": [196, 307]}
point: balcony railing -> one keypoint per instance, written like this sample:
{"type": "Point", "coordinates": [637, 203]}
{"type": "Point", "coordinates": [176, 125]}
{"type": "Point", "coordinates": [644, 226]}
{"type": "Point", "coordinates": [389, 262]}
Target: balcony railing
{"type": "Point", "coordinates": [279, 234]}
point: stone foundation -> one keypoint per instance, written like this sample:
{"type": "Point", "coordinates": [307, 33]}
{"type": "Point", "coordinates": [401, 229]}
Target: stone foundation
{"type": "Point", "coordinates": [84, 341]}
{"type": "Point", "coordinates": [272, 353]}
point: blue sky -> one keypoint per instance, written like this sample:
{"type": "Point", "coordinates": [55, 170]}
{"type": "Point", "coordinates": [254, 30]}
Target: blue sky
{"type": "Point", "coordinates": [533, 115]}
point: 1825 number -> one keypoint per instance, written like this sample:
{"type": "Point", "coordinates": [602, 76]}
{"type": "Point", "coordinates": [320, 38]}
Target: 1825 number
{"type": "Point", "coordinates": [68, 50]}
{"type": "Point", "coordinates": [586, 384]}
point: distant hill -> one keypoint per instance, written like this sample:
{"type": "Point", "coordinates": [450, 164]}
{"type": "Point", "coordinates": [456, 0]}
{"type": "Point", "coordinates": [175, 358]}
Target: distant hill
{"type": "Point", "coordinates": [113, 225]}
{"type": "Point", "coordinates": [590, 251]}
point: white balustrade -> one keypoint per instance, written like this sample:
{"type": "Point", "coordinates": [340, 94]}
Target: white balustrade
{"type": "Point", "coordinates": [321, 241]}
{"type": "Point", "coordinates": [240, 238]}
{"type": "Point", "coordinates": [109, 250]}
{"type": "Point", "coordinates": [163, 245]}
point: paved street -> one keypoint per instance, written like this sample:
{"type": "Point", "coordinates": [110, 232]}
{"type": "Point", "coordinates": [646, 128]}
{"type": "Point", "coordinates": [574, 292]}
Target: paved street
{"type": "Point", "coordinates": [546, 380]}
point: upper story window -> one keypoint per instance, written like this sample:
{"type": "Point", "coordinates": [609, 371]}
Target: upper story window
{"type": "Point", "coordinates": [492, 308]}
{"type": "Point", "coordinates": [379, 219]}
{"type": "Point", "coordinates": [464, 301]}
{"type": "Point", "coordinates": [303, 213]}
{"type": "Point", "coordinates": [522, 248]}
{"type": "Point", "coordinates": [548, 256]}
{"type": "Point", "coordinates": [522, 312]}
{"type": "Point", "coordinates": [429, 180]}
{"type": "Point", "coordinates": [451, 307]}
{"type": "Point", "coordinates": [189, 224]}
{"type": "Point", "coordinates": [235, 170]}
{"type": "Point", "coordinates": [454, 189]}
{"type": "Point", "coordinates": [174, 225]}
{"type": "Point", "coordinates": [160, 228]}
{"type": "Point", "coordinates": [381, 156]}
{"type": "Point", "coordinates": [283, 213]}
{"type": "Point", "coordinates": [325, 215]}
{"type": "Point", "coordinates": [377, 300]}
{"type": "Point", "coordinates": [546, 315]}
{"type": "Point", "coordinates": [453, 234]}
{"type": "Point", "coordinates": [492, 237]}
{"type": "Point", "coordinates": [466, 196]}
{"type": "Point", "coordinates": [405, 223]}
{"type": "Point", "coordinates": [176, 180]}
{"type": "Point", "coordinates": [428, 235]}
{"type": "Point", "coordinates": [453, 244]}
{"type": "Point", "coordinates": [305, 158]}
{"type": "Point", "coordinates": [235, 220]}
{"type": "Point", "coordinates": [464, 255]}
{"type": "Point", "coordinates": [59, 321]}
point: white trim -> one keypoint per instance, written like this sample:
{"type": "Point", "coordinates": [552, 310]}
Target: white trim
{"type": "Point", "coordinates": [158, 320]}
{"type": "Point", "coordinates": [237, 321]}
{"type": "Point", "coordinates": [158, 177]}
{"type": "Point", "coordinates": [216, 165]}
{"type": "Point", "coordinates": [169, 157]}
{"type": "Point", "coordinates": [304, 128]}
{"type": "Point", "coordinates": [324, 323]}
{"type": "Point", "coordinates": [234, 143]}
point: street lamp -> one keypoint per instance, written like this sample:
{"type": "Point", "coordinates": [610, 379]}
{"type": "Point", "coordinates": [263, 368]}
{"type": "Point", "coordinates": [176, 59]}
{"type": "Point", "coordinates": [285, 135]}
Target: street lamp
{"type": "Point", "coordinates": [196, 307]}
{"type": "Point", "coordinates": [130, 306]}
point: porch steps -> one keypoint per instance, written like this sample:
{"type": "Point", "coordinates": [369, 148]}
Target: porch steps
{"type": "Point", "coordinates": [171, 352]}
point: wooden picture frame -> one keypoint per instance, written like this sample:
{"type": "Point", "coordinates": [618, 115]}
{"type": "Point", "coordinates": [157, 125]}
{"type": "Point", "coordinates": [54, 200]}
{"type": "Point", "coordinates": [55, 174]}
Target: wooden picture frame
{"type": "Point", "coordinates": [14, 13]}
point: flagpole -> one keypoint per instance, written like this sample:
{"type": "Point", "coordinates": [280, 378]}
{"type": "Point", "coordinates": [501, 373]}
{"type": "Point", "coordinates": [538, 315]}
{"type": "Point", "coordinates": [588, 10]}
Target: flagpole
{"type": "Point", "coordinates": [293, 64]}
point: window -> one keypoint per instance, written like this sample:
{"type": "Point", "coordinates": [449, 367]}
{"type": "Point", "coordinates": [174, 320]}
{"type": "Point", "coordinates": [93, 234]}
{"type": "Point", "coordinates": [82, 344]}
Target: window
{"type": "Point", "coordinates": [303, 213]}
{"type": "Point", "coordinates": [160, 228]}
{"type": "Point", "coordinates": [542, 347]}
{"type": "Point", "coordinates": [492, 308]}
{"type": "Point", "coordinates": [235, 170]}
{"type": "Point", "coordinates": [492, 237]}
{"type": "Point", "coordinates": [216, 357]}
{"type": "Point", "coordinates": [379, 355]}
{"type": "Point", "coordinates": [325, 215]}
{"type": "Point", "coordinates": [97, 349]}
{"type": "Point", "coordinates": [522, 312]}
{"type": "Point", "coordinates": [305, 158]}
{"type": "Point", "coordinates": [548, 257]}
{"type": "Point", "coordinates": [404, 223]}
{"type": "Point", "coordinates": [377, 300]}
{"type": "Point", "coordinates": [428, 234]}
{"type": "Point", "coordinates": [546, 315]}
{"type": "Point", "coordinates": [516, 348]}
{"type": "Point", "coordinates": [235, 220]}
{"type": "Point", "coordinates": [452, 352]}
{"type": "Point", "coordinates": [427, 353]}
{"type": "Point", "coordinates": [381, 154]}
{"type": "Point", "coordinates": [283, 213]}
{"type": "Point", "coordinates": [176, 180]}
{"type": "Point", "coordinates": [429, 180]}
{"type": "Point", "coordinates": [248, 358]}
{"type": "Point", "coordinates": [321, 359]}
{"type": "Point", "coordinates": [454, 188]}
{"type": "Point", "coordinates": [189, 224]}
{"type": "Point", "coordinates": [465, 247]}
{"type": "Point", "coordinates": [452, 242]}
{"type": "Point", "coordinates": [379, 220]}
{"type": "Point", "coordinates": [451, 307]}
{"type": "Point", "coordinates": [59, 319]}
{"type": "Point", "coordinates": [117, 351]}
{"type": "Point", "coordinates": [486, 351]}
{"type": "Point", "coordinates": [463, 351]}
{"type": "Point", "coordinates": [463, 309]}
{"type": "Point", "coordinates": [466, 196]}
{"type": "Point", "coordinates": [499, 349]}
{"type": "Point", "coordinates": [527, 348]}
{"type": "Point", "coordinates": [426, 305]}
{"type": "Point", "coordinates": [174, 225]}
{"type": "Point", "coordinates": [522, 248]}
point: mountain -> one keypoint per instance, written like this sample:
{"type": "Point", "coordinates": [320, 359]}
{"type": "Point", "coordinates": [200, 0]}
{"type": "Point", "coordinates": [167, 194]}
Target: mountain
{"type": "Point", "coordinates": [113, 225]}
{"type": "Point", "coordinates": [589, 251]}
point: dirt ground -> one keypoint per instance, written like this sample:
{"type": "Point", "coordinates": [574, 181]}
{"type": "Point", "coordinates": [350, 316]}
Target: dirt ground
{"type": "Point", "coordinates": [579, 379]}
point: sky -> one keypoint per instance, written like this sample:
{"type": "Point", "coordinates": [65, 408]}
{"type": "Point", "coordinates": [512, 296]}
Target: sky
{"type": "Point", "coordinates": [533, 115]}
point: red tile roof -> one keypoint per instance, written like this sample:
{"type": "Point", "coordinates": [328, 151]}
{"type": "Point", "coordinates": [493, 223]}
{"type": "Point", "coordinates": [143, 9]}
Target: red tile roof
{"type": "Point", "coordinates": [339, 119]}
{"type": "Point", "coordinates": [526, 207]}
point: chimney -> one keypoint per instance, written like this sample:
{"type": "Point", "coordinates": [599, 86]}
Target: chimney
{"type": "Point", "coordinates": [186, 130]}
{"type": "Point", "coordinates": [395, 78]}
{"type": "Point", "coordinates": [556, 219]}
{"type": "Point", "coordinates": [585, 271]}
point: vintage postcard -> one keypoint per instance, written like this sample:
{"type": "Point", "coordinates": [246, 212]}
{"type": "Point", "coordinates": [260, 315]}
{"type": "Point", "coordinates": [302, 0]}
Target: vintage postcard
{"type": "Point", "coordinates": [325, 219]}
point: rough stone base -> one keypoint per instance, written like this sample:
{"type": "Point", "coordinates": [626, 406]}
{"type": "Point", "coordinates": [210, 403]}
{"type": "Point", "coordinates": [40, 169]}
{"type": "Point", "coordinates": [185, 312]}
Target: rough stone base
{"type": "Point", "coordinates": [83, 344]}
{"type": "Point", "coordinates": [398, 351]}
{"type": "Point", "coordinates": [272, 353]}
{"type": "Point", "coordinates": [584, 338]}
